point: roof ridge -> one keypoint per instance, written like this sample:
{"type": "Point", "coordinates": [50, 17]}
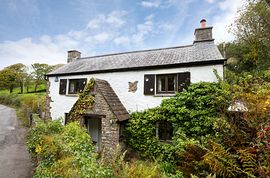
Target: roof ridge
{"type": "Point", "coordinates": [136, 51]}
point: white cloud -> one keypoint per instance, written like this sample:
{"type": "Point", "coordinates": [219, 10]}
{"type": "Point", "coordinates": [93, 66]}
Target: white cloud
{"type": "Point", "coordinates": [143, 29]}
{"type": "Point", "coordinates": [166, 27]}
{"type": "Point", "coordinates": [114, 19]}
{"type": "Point", "coordinates": [27, 52]}
{"type": "Point", "coordinates": [227, 16]}
{"type": "Point", "coordinates": [51, 49]}
{"type": "Point", "coordinates": [210, 1]}
{"type": "Point", "coordinates": [122, 40]}
{"type": "Point", "coordinates": [101, 37]}
{"type": "Point", "coordinates": [150, 4]}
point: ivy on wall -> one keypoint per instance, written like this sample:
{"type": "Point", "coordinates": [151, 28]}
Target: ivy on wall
{"type": "Point", "coordinates": [193, 114]}
{"type": "Point", "coordinates": [84, 102]}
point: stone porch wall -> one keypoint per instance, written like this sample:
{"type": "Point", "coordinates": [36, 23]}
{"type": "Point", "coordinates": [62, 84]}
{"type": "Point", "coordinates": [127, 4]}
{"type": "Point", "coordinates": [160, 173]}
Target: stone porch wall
{"type": "Point", "coordinates": [109, 126]}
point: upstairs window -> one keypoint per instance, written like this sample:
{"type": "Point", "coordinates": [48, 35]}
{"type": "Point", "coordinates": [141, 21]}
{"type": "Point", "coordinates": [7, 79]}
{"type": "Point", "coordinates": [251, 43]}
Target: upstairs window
{"type": "Point", "coordinates": [166, 83]}
{"type": "Point", "coordinates": [164, 131]}
{"type": "Point", "coordinates": [76, 85]}
{"type": "Point", "coordinates": [63, 86]}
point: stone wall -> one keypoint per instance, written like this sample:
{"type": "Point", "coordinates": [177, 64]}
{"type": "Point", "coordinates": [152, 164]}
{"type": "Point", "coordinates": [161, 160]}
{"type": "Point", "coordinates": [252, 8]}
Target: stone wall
{"type": "Point", "coordinates": [109, 124]}
{"type": "Point", "coordinates": [48, 101]}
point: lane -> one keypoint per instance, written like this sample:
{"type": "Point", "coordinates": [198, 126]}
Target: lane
{"type": "Point", "coordinates": [15, 161]}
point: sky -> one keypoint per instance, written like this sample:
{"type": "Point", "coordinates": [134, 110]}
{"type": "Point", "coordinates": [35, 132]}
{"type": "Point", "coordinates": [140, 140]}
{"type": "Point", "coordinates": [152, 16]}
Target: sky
{"type": "Point", "coordinates": [42, 31]}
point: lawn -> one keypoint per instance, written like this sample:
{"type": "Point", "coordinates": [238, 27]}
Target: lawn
{"type": "Point", "coordinates": [41, 90]}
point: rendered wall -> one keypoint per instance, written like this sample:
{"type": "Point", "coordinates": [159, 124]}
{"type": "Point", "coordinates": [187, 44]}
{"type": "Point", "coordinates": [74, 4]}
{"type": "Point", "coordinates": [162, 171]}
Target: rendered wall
{"type": "Point", "coordinates": [137, 101]}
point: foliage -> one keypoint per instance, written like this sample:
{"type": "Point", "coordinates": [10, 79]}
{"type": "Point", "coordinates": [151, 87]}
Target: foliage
{"type": "Point", "coordinates": [10, 100]}
{"type": "Point", "coordinates": [39, 71]}
{"type": "Point", "coordinates": [193, 114]}
{"type": "Point", "coordinates": [194, 110]}
{"type": "Point", "coordinates": [250, 50]}
{"type": "Point", "coordinates": [134, 168]}
{"type": "Point", "coordinates": [11, 76]}
{"type": "Point", "coordinates": [25, 104]}
{"type": "Point", "coordinates": [64, 151]}
{"type": "Point", "coordinates": [85, 101]}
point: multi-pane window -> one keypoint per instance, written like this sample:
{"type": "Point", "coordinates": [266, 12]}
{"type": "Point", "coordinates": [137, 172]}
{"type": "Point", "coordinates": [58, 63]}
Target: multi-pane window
{"type": "Point", "coordinates": [166, 83]}
{"type": "Point", "coordinates": [76, 86]}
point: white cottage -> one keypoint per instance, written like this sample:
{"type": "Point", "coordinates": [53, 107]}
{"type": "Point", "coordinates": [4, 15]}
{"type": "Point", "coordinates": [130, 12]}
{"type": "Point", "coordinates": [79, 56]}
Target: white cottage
{"type": "Point", "coordinates": [134, 80]}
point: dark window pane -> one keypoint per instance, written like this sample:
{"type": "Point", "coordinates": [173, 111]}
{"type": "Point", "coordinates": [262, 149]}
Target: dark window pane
{"type": "Point", "coordinates": [171, 83]}
{"type": "Point", "coordinates": [166, 83]}
{"type": "Point", "coordinates": [63, 86]}
{"type": "Point", "coordinates": [74, 86]}
{"type": "Point", "coordinates": [161, 82]}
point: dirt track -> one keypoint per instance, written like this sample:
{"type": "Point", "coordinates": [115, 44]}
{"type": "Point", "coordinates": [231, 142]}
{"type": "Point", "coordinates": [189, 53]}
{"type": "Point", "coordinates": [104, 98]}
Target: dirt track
{"type": "Point", "coordinates": [15, 161]}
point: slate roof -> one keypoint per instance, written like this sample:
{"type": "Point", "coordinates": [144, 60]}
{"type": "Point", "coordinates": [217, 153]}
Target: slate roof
{"type": "Point", "coordinates": [201, 52]}
{"type": "Point", "coordinates": [112, 99]}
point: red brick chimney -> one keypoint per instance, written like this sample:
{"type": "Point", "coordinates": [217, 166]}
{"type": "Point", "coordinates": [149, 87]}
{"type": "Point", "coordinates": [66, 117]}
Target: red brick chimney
{"type": "Point", "coordinates": [73, 55]}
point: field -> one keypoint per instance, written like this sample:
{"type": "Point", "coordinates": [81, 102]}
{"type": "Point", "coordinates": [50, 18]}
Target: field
{"type": "Point", "coordinates": [41, 90]}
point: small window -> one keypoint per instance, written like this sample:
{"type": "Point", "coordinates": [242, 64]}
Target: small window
{"type": "Point", "coordinates": [164, 131]}
{"type": "Point", "coordinates": [121, 130]}
{"type": "Point", "coordinates": [63, 86]}
{"type": "Point", "coordinates": [76, 86]}
{"type": "Point", "coordinates": [166, 83]}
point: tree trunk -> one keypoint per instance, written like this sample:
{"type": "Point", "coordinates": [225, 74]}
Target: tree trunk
{"type": "Point", "coordinates": [36, 85]}
{"type": "Point", "coordinates": [11, 89]}
{"type": "Point", "coordinates": [21, 85]}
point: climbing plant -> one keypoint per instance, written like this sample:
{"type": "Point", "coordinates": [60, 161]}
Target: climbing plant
{"type": "Point", "coordinates": [193, 115]}
{"type": "Point", "coordinates": [84, 102]}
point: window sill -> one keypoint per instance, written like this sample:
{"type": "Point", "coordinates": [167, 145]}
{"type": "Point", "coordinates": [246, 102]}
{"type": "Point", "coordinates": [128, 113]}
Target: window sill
{"type": "Point", "coordinates": [165, 95]}
{"type": "Point", "coordinates": [72, 95]}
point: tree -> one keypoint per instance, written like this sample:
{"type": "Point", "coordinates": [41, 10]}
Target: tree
{"type": "Point", "coordinates": [39, 70]}
{"type": "Point", "coordinates": [13, 76]}
{"type": "Point", "coordinates": [252, 31]}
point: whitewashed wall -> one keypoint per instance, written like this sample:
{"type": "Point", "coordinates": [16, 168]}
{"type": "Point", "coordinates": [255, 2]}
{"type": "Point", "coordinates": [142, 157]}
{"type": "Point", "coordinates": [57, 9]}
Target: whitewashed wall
{"type": "Point", "coordinates": [119, 81]}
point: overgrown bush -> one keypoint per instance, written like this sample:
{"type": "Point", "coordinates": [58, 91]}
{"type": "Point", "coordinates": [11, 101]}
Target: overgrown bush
{"type": "Point", "coordinates": [64, 151]}
{"type": "Point", "coordinates": [208, 138]}
{"type": "Point", "coordinates": [25, 104]}
{"type": "Point", "coordinates": [193, 115]}
{"type": "Point", "coordinates": [10, 100]}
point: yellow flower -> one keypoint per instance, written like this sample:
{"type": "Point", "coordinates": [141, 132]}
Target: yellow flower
{"type": "Point", "coordinates": [38, 149]}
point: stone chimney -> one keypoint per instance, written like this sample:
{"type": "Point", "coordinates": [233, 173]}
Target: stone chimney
{"type": "Point", "coordinates": [73, 55]}
{"type": "Point", "coordinates": [203, 33]}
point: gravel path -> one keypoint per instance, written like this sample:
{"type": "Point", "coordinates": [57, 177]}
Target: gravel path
{"type": "Point", "coordinates": [15, 161]}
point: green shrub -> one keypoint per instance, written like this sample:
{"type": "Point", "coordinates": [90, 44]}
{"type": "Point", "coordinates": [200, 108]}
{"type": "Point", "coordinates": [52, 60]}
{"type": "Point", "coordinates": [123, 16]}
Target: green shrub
{"type": "Point", "coordinates": [10, 99]}
{"type": "Point", "coordinates": [64, 151]}
{"type": "Point", "coordinates": [192, 114]}
{"type": "Point", "coordinates": [143, 169]}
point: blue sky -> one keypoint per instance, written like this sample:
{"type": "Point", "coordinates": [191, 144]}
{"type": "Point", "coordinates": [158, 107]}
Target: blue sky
{"type": "Point", "coordinates": [42, 31]}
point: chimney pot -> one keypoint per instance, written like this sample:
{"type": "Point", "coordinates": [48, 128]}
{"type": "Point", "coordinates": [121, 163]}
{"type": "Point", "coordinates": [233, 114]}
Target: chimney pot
{"type": "Point", "coordinates": [203, 23]}
{"type": "Point", "coordinates": [73, 55]}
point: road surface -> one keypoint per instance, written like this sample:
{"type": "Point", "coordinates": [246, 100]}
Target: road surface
{"type": "Point", "coordinates": [15, 161]}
